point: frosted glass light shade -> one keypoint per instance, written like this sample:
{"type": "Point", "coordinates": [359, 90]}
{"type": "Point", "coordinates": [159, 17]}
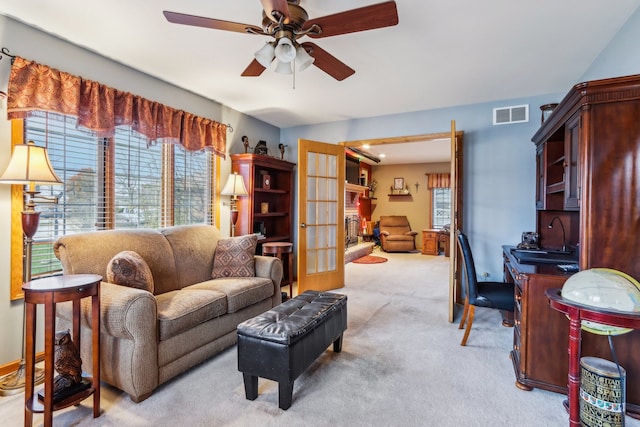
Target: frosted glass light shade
{"type": "Point", "coordinates": [29, 164]}
{"type": "Point", "coordinates": [285, 51]}
{"type": "Point", "coordinates": [303, 59]}
{"type": "Point", "coordinates": [283, 68]}
{"type": "Point", "coordinates": [265, 55]}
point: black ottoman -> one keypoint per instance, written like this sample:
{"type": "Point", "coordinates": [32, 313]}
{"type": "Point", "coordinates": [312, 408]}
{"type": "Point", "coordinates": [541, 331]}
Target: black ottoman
{"type": "Point", "coordinates": [281, 343]}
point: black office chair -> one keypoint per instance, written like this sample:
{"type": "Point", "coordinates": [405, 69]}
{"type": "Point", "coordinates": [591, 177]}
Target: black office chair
{"type": "Point", "coordinates": [497, 295]}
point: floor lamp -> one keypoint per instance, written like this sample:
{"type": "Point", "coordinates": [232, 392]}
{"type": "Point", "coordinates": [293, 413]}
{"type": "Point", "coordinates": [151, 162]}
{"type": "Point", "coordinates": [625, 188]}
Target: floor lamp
{"type": "Point", "coordinates": [29, 165]}
{"type": "Point", "coordinates": [234, 188]}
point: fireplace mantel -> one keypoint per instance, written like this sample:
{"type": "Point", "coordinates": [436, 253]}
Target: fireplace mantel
{"type": "Point", "coordinates": [354, 188]}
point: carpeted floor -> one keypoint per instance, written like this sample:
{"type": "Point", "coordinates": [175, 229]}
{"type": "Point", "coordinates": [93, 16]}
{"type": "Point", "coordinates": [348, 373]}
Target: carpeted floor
{"type": "Point", "coordinates": [401, 365]}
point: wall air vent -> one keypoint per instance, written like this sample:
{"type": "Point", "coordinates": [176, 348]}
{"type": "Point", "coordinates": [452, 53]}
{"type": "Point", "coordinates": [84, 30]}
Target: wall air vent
{"type": "Point", "coordinates": [508, 115]}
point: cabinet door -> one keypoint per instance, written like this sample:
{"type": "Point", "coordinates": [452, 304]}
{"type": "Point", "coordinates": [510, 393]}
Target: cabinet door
{"type": "Point", "coordinates": [572, 171]}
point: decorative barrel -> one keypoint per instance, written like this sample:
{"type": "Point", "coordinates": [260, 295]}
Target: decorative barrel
{"type": "Point", "coordinates": [602, 393]}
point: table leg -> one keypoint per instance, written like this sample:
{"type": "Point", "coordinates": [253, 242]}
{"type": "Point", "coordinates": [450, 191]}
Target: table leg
{"type": "Point", "coordinates": [575, 336]}
{"type": "Point", "coordinates": [30, 353]}
{"type": "Point", "coordinates": [49, 338]}
{"type": "Point", "coordinates": [95, 325]}
{"type": "Point", "coordinates": [290, 269]}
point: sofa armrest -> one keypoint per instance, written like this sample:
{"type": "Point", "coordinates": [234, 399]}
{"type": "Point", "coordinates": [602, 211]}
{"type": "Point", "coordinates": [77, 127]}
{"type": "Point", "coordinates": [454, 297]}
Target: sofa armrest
{"type": "Point", "coordinates": [384, 233]}
{"type": "Point", "coordinates": [128, 337]}
{"type": "Point", "coordinates": [125, 312]}
{"type": "Point", "coordinates": [410, 233]}
{"type": "Point", "coordinates": [270, 268]}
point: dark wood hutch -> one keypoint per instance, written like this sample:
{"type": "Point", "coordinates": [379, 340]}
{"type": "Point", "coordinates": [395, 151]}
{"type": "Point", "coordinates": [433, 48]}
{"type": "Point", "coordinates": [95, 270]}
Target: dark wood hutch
{"type": "Point", "coordinates": [588, 175]}
{"type": "Point", "coordinates": [268, 209]}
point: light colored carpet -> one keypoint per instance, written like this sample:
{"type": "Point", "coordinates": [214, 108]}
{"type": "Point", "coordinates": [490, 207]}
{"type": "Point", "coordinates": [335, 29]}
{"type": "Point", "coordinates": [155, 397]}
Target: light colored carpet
{"type": "Point", "coordinates": [401, 365]}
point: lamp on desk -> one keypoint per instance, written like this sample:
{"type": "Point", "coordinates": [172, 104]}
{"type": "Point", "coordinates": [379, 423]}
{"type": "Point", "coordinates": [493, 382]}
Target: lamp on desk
{"type": "Point", "coordinates": [234, 188]}
{"type": "Point", "coordinates": [29, 165]}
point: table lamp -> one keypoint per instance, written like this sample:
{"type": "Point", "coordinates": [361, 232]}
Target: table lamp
{"type": "Point", "coordinates": [29, 165]}
{"type": "Point", "coordinates": [234, 188]}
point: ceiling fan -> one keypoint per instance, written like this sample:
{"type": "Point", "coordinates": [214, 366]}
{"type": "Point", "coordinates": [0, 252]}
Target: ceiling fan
{"type": "Point", "coordinates": [286, 21]}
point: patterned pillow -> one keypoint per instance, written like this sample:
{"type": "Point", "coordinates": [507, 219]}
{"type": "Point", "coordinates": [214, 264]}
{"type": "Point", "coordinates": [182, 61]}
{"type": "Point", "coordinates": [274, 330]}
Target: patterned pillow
{"type": "Point", "coordinates": [234, 257]}
{"type": "Point", "coordinates": [129, 269]}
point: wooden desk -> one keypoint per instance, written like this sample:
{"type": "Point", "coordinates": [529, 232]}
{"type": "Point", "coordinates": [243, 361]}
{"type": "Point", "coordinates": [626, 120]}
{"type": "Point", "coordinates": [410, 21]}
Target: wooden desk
{"type": "Point", "coordinates": [443, 241]}
{"type": "Point", "coordinates": [50, 291]}
{"type": "Point", "coordinates": [540, 334]}
{"type": "Point", "coordinates": [577, 313]}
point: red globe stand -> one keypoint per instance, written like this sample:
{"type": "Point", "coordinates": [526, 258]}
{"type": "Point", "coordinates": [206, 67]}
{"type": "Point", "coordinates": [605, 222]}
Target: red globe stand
{"type": "Point", "coordinates": [576, 314]}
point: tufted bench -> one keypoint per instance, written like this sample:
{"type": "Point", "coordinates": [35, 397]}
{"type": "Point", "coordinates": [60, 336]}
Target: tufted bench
{"type": "Point", "coordinates": [281, 343]}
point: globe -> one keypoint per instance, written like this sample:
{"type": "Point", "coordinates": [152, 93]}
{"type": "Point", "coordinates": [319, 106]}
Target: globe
{"type": "Point", "coordinates": [603, 288]}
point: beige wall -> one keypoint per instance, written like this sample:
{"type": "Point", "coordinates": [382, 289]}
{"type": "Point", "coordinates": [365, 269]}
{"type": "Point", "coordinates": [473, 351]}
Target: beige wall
{"type": "Point", "coordinates": [416, 207]}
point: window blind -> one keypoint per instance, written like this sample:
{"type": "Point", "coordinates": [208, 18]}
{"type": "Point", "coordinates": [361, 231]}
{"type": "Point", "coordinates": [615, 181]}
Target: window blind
{"type": "Point", "coordinates": [114, 182]}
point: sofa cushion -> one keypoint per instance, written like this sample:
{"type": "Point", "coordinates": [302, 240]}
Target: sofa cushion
{"type": "Point", "coordinates": [181, 310]}
{"type": "Point", "coordinates": [241, 291]}
{"type": "Point", "coordinates": [193, 249]}
{"type": "Point", "coordinates": [234, 257]}
{"type": "Point", "coordinates": [128, 268]}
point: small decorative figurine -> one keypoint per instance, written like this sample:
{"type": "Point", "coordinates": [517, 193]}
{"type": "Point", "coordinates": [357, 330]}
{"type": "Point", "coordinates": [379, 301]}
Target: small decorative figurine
{"type": "Point", "coordinates": [282, 148]}
{"type": "Point", "coordinates": [67, 363]}
{"type": "Point", "coordinates": [261, 148]}
{"type": "Point", "coordinates": [245, 142]}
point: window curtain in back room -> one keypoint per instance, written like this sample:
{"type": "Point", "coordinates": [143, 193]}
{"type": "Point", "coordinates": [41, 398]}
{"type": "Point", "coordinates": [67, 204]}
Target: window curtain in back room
{"type": "Point", "coordinates": [438, 180]}
{"type": "Point", "coordinates": [100, 108]}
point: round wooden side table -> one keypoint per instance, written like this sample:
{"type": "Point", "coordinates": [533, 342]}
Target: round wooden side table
{"type": "Point", "coordinates": [279, 250]}
{"type": "Point", "coordinates": [49, 291]}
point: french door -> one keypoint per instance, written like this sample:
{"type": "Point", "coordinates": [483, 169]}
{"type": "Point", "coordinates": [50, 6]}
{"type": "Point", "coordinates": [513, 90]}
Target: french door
{"type": "Point", "coordinates": [321, 172]}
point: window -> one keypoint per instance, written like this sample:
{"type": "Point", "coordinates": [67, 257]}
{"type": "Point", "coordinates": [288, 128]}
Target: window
{"type": "Point", "coordinates": [441, 207]}
{"type": "Point", "coordinates": [114, 182]}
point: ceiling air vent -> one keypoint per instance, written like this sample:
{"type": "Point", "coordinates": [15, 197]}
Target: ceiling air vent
{"type": "Point", "coordinates": [514, 114]}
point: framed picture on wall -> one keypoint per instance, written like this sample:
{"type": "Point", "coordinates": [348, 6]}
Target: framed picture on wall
{"type": "Point", "coordinates": [398, 183]}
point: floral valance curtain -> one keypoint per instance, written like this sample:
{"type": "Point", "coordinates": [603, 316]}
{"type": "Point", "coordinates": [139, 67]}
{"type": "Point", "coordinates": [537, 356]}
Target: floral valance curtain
{"type": "Point", "coordinates": [36, 87]}
{"type": "Point", "coordinates": [438, 180]}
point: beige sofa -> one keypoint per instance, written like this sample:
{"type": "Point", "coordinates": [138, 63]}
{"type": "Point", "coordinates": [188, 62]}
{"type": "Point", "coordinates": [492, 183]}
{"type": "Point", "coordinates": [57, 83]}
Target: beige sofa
{"type": "Point", "coordinates": [148, 338]}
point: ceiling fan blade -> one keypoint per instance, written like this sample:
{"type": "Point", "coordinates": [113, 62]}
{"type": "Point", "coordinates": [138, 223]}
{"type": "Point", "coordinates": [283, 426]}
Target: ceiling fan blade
{"type": "Point", "coordinates": [362, 19]}
{"type": "Point", "coordinates": [216, 24]}
{"type": "Point", "coordinates": [253, 70]}
{"type": "Point", "coordinates": [279, 6]}
{"type": "Point", "coordinates": [328, 63]}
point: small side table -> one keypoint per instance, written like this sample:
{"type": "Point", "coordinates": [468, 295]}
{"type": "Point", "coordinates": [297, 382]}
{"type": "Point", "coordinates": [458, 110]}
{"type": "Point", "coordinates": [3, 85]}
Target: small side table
{"type": "Point", "coordinates": [279, 250]}
{"type": "Point", "coordinates": [50, 291]}
{"type": "Point", "coordinates": [429, 242]}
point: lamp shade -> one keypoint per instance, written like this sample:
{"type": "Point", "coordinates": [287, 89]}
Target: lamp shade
{"type": "Point", "coordinates": [285, 51]}
{"type": "Point", "coordinates": [234, 186]}
{"type": "Point", "coordinates": [283, 68]}
{"type": "Point", "coordinates": [303, 59]}
{"type": "Point", "coordinates": [265, 55]}
{"type": "Point", "coordinates": [29, 164]}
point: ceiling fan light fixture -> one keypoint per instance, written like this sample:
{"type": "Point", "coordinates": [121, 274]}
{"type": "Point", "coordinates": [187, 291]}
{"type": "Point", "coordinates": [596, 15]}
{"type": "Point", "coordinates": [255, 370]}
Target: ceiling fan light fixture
{"type": "Point", "coordinates": [303, 59]}
{"type": "Point", "coordinates": [283, 68]}
{"type": "Point", "coordinates": [285, 51]}
{"type": "Point", "coordinates": [265, 55]}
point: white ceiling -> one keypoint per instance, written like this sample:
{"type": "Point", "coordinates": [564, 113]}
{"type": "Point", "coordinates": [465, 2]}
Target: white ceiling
{"type": "Point", "coordinates": [442, 53]}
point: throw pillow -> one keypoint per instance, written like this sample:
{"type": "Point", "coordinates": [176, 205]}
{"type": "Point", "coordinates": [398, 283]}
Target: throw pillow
{"type": "Point", "coordinates": [128, 268]}
{"type": "Point", "coordinates": [234, 257]}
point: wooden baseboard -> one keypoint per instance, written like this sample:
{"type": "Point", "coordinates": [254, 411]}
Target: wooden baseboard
{"type": "Point", "coordinates": [13, 366]}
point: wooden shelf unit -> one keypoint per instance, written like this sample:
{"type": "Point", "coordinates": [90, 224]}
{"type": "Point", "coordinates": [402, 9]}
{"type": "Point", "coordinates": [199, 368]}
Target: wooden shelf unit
{"type": "Point", "coordinates": [587, 156]}
{"type": "Point", "coordinates": [278, 221]}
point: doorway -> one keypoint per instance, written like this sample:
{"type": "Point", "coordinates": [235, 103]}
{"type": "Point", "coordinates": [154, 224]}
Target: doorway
{"type": "Point", "coordinates": [455, 158]}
